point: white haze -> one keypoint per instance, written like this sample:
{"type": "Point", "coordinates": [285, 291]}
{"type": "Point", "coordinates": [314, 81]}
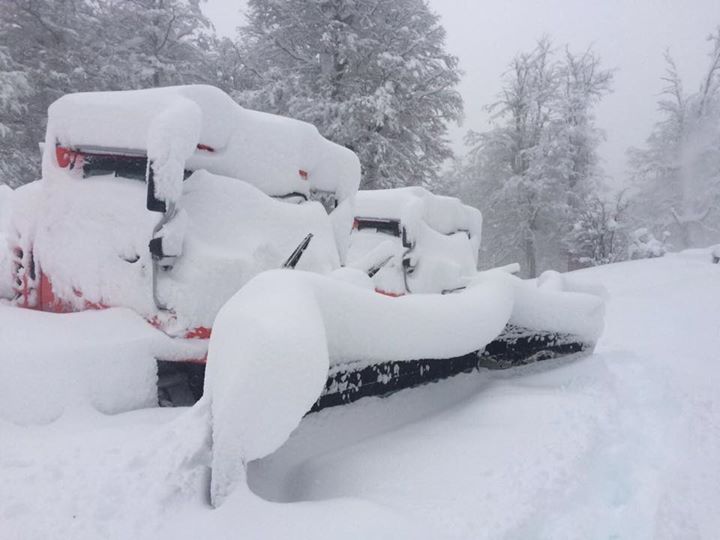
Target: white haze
{"type": "Point", "coordinates": [628, 36]}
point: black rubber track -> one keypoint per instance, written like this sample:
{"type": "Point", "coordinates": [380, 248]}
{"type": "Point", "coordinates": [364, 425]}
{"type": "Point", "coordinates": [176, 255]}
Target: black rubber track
{"type": "Point", "coordinates": [355, 380]}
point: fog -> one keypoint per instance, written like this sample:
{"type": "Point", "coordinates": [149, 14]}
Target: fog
{"type": "Point", "coordinates": [629, 36]}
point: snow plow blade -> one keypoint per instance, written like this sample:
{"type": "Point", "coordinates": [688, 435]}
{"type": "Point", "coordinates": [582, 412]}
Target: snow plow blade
{"type": "Point", "coordinates": [182, 383]}
{"type": "Point", "coordinates": [516, 346]}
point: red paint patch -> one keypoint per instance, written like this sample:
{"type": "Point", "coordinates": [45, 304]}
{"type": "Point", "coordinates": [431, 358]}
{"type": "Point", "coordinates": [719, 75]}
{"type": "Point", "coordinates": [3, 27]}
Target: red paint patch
{"type": "Point", "coordinates": [387, 293]}
{"type": "Point", "coordinates": [200, 332]}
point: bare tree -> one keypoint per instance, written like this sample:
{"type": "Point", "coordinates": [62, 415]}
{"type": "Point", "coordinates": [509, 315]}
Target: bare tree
{"type": "Point", "coordinates": [677, 174]}
{"type": "Point", "coordinates": [532, 172]}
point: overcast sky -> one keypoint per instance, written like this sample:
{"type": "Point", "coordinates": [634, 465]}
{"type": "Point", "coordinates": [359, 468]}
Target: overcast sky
{"type": "Point", "coordinates": [629, 35]}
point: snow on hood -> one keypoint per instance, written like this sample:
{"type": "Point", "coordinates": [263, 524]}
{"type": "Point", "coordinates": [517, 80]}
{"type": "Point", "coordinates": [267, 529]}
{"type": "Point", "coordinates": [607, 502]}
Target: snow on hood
{"type": "Point", "coordinates": [278, 155]}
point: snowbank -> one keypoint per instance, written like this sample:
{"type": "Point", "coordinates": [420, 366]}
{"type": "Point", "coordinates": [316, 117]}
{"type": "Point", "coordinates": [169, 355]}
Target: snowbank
{"type": "Point", "coordinates": [105, 359]}
{"type": "Point", "coordinates": [620, 444]}
{"type": "Point", "coordinates": [274, 341]}
{"type": "Point", "coordinates": [278, 155]}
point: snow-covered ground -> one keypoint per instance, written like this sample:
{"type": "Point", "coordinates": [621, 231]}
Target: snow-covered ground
{"type": "Point", "coordinates": [621, 444]}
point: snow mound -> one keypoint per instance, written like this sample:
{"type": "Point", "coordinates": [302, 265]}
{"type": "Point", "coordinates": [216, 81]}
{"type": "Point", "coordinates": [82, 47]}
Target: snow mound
{"type": "Point", "coordinates": [105, 359]}
{"type": "Point", "coordinates": [274, 341]}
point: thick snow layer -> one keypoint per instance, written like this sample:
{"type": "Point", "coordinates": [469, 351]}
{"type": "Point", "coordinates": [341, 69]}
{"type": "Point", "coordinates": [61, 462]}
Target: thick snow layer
{"type": "Point", "coordinates": [92, 236]}
{"type": "Point", "coordinates": [267, 363]}
{"type": "Point", "coordinates": [622, 444]}
{"type": "Point", "coordinates": [50, 362]}
{"type": "Point", "coordinates": [172, 137]}
{"type": "Point", "coordinates": [410, 205]}
{"type": "Point", "coordinates": [555, 303]}
{"type": "Point", "coordinates": [234, 232]}
{"type": "Point", "coordinates": [278, 155]}
{"type": "Point", "coordinates": [274, 341]}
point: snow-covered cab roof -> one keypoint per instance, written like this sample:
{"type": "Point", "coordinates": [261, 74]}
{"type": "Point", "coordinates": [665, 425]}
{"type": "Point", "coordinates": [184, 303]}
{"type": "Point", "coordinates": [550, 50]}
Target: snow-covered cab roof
{"type": "Point", "coordinates": [409, 205]}
{"type": "Point", "coordinates": [200, 127]}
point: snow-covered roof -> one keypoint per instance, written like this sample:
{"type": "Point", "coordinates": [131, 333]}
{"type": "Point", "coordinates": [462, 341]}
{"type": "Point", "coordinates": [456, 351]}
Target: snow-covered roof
{"type": "Point", "coordinates": [445, 215]}
{"type": "Point", "coordinates": [266, 150]}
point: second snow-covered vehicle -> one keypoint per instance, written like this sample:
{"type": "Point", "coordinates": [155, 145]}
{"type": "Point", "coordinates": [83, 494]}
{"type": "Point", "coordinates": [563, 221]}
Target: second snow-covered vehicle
{"type": "Point", "coordinates": [168, 201]}
{"type": "Point", "coordinates": [415, 241]}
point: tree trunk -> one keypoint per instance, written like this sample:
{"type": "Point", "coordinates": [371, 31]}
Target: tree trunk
{"type": "Point", "coordinates": [530, 262]}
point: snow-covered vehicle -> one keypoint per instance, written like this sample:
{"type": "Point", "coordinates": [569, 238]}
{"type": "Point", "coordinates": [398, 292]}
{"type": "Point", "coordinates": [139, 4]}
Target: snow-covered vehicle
{"type": "Point", "coordinates": [90, 235]}
{"type": "Point", "coordinates": [173, 201]}
{"type": "Point", "coordinates": [415, 241]}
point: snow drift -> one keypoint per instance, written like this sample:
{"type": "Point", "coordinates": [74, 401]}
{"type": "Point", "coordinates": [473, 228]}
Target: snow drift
{"type": "Point", "coordinates": [103, 359]}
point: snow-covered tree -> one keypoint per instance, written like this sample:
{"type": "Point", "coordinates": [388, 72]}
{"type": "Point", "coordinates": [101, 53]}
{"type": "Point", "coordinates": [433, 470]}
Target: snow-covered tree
{"type": "Point", "coordinates": [677, 174]}
{"type": "Point", "coordinates": [157, 42]}
{"type": "Point", "coordinates": [44, 44]}
{"type": "Point", "coordinates": [583, 83]}
{"type": "Point", "coordinates": [372, 75]}
{"type": "Point", "coordinates": [53, 47]}
{"type": "Point", "coordinates": [599, 234]}
{"type": "Point", "coordinates": [532, 173]}
{"type": "Point", "coordinates": [14, 88]}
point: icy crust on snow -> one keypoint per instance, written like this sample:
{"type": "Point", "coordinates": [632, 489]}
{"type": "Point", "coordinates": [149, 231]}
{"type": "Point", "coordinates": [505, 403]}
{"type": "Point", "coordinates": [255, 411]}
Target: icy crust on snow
{"type": "Point", "coordinates": [106, 359]}
{"type": "Point", "coordinates": [265, 150]}
{"type": "Point", "coordinates": [445, 235]}
{"type": "Point", "coordinates": [90, 237]}
{"type": "Point", "coordinates": [274, 341]}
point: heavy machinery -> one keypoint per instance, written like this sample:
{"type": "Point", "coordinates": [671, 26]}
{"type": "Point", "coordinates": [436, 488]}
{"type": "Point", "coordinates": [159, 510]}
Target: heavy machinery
{"type": "Point", "coordinates": [418, 242]}
{"type": "Point", "coordinates": [167, 201]}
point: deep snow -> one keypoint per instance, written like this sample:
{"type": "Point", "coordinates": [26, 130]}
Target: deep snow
{"type": "Point", "coordinates": [621, 444]}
